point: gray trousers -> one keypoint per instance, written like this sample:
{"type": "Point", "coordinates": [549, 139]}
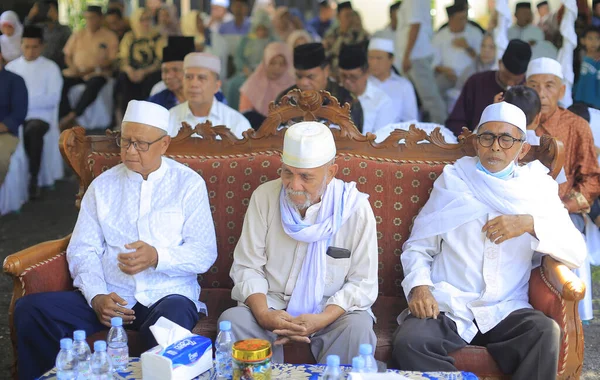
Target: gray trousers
{"type": "Point", "coordinates": [421, 75]}
{"type": "Point", "coordinates": [8, 145]}
{"type": "Point", "coordinates": [525, 344]}
{"type": "Point", "coordinates": [342, 337]}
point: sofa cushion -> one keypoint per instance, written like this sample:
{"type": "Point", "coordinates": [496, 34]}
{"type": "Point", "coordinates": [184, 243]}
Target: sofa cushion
{"type": "Point", "coordinates": [35, 279]}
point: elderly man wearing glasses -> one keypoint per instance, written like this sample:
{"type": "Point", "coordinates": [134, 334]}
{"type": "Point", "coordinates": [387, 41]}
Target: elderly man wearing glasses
{"type": "Point", "coordinates": [143, 234]}
{"type": "Point", "coordinates": [471, 250]}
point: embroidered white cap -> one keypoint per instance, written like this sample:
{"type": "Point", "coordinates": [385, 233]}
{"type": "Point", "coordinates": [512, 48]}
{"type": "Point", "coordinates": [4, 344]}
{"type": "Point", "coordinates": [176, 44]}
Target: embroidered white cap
{"type": "Point", "coordinates": [544, 66]}
{"type": "Point", "coordinates": [382, 44]}
{"type": "Point", "coordinates": [221, 3]}
{"type": "Point", "coordinates": [203, 60]}
{"type": "Point", "coordinates": [506, 113]}
{"type": "Point", "coordinates": [154, 115]}
{"type": "Point", "coordinates": [308, 145]}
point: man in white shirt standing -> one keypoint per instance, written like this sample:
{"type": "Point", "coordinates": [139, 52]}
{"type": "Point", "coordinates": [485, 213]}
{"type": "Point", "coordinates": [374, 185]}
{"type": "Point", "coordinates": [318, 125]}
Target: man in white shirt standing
{"type": "Point", "coordinates": [201, 81]}
{"type": "Point", "coordinates": [143, 235]}
{"type": "Point", "coordinates": [378, 108]}
{"type": "Point", "coordinates": [524, 29]}
{"type": "Point", "coordinates": [414, 55]}
{"type": "Point", "coordinates": [44, 82]}
{"type": "Point", "coordinates": [384, 75]}
{"type": "Point", "coordinates": [455, 47]}
{"type": "Point", "coordinates": [305, 267]}
{"type": "Point", "coordinates": [472, 247]}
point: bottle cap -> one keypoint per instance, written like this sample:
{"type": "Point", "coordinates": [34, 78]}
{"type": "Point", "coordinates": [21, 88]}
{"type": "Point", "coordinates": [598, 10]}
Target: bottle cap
{"type": "Point", "coordinates": [365, 349]}
{"type": "Point", "coordinates": [225, 326]}
{"type": "Point", "coordinates": [333, 361]}
{"type": "Point", "coordinates": [100, 345]}
{"type": "Point", "coordinates": [79, 335]}
{"type": "Point", "coordinates": [358, 362]}
{"type": "Point", "coordinates": [66, 343]}
{"type": "Point", "coordinates": [116, 321]}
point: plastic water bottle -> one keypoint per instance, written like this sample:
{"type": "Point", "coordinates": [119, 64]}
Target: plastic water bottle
{"type": "Point", "coordinates": [358, 364]}
{"type": "Point", "coordinates": [332, 372]}
{"type": "Point", "coordinates": [83, 354]}
{"type": "Point", "coordinates": [102, 368]}
{"type": "Point", "coordinates": [117, 345]}
{"type": "Point", "coordinates": [223, 346]}
{"type": "Point", "coordinates": [366, 352]}
{"type": "Point", "coordinates": [66, 361]}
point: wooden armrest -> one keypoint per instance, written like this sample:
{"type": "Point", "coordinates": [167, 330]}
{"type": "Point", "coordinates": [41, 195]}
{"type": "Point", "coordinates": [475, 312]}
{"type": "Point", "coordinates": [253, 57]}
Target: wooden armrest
{"type": "Point", "coordinates": [564, 281]}
{"type": "Point", "coordinates": [16, 263]}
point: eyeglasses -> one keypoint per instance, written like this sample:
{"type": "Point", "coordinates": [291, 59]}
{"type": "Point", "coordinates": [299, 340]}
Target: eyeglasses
{"type": "Point", "coordinates": [350, 77]}
{"type": "Point", "coordinates": [140, 146]}
{"type": "Point", "coordinates": [486, 140]}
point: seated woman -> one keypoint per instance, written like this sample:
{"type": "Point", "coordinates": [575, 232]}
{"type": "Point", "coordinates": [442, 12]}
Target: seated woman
{"type": "Point", "coordinates": [10, 40]}
{"type": "Point", "coordinates": [140, 54]}
{"type": "Point", "coordinates": [272, 76]}
{"type": "Point", "coordinates": [299, 37]}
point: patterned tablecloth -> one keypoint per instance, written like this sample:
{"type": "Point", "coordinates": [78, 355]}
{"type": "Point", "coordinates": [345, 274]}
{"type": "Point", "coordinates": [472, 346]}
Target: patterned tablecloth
{"type": "Point", "coordinates": [285, 371]}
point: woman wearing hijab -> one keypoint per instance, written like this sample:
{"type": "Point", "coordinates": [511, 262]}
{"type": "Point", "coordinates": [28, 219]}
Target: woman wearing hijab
{"type": "Point", "coordinates": [140, 53]}
{"type": "Point", "coordinates": [10, 40]}
{"type": "Point", "coordinates": [272, 76]}
{"type": "Point", "coordinates": [299, 37]}
{"type": "Point", "coordinates": [248, 56]}
{"type": "Point", "coordinates": [168, 23]}
{"type": "Point", "coordinates": [284, 23]}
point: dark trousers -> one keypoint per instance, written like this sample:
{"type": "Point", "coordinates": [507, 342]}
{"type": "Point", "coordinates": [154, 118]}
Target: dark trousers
{"type": "Point", "coordinates": [33, 140]}
{"type": "Point", "coordinates": [525, 344]}
{"type": "Point", "coordinates": [92, 89]}
{"type": "Point", "coordinates": [42, 319]}
{"type": "Point", "coordinates": [135, 91]}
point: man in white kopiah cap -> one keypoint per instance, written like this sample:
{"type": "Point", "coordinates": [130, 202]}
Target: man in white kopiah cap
{"type": "Point", "coordinates": [305, 267]}
{"type": "Point", "coordinates": [219, 14]}
{"type": "Point", "coordinates": [471, 251]}
{"type": "Point", "coordinates": [385, 76]}
{"type": "Point", "coordinates": [143, 235]}
{"type": "Point", "coordinates": [581, 166]}
{"type": "Point", "coordinates": [201, 81]}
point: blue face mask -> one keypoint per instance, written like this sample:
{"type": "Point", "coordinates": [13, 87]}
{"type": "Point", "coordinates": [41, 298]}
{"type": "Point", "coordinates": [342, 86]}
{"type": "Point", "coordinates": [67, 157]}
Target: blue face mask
{"type": "Point", "coordinates": [503, 174]}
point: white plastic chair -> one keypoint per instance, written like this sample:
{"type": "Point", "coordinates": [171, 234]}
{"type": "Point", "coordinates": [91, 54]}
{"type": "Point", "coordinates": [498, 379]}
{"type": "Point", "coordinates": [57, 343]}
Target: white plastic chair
{"type": "Point", "coordinates": [52, 166]}
{"type": "Point", "coordinates": [99, 113]}
{"type": "Point", "coordinates": [13, 192]}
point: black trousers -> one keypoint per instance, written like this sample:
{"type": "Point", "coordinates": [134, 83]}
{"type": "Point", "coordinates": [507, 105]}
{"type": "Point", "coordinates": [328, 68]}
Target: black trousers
{"type": "Point", "coordinates": [33, 140]}
{"type": "Point", "coordinates": [92, 89]}
{"type": "Point", "coordinates": [525, 344]}
{"type": "Point", "coordinates": [127, 90]}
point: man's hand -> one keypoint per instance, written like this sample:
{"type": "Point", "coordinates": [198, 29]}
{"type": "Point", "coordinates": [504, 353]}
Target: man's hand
{"type": "Point", "coordinates": [499, 97]}
{"type": "Point", "coordinates": [449, 73]}
{"type": "Point", "coordinates": [505, 227]}
{"type": "Point", "coordinates": [144, 257]}
{"type": "Point", "coordinates": [422, 303]}
{"type": "Point", "coordinates": [111, 305]}
{"type": "Point", "coordinates": [311, 322]}
{"type": "Point", "coordinates": [280, 320]}
{"type": "Point", "coordinates": [33, 11]}
{"type": "Point", "coordinates": [460, 43]}
{"type": "Point", "coordinates": [406, 65]}
{"type": "Point", "coordinates": [71, 72]}
{"type": "Point", "coordinates": [3, 128]}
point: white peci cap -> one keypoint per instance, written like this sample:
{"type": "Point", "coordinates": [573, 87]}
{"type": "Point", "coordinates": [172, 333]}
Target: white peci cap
{"type": "Point", "coordinates": [506, 113]}
{"type": "Point", "coordinates": [154, 115]}
{"type": "Point", "coordinates": [203, 60]}
{"type": "Point", "coordinates": [221, 3]}
{"type": "Point", "coordinates": [544, 66]}
{"type": "Point", "coordinates": [308, 145]}
{"type": "Point", "coordinates": [382, 44]}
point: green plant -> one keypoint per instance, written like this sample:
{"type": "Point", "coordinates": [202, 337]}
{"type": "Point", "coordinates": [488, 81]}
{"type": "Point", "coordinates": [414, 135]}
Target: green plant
{"type": "Point", "coordinates": [75, 9]}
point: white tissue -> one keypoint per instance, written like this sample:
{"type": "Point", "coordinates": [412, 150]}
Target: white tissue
{"type": "Point", "coordinates": [167, 332]}
{"type": "Point", "coordinates": [376, 376]}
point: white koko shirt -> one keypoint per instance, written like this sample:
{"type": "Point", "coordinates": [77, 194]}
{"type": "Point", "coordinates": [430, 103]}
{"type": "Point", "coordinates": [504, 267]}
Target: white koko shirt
{"type": "Point", "coordinates": [448, 55]}
{"type": "Point", "coordinates": [266, 260]}
{"type": "Point", "coordinates": [378, 108]}
{"type": "Point", "coordinates": [402, 93]}
{"type": "Point", "coordinates": [169, 211]}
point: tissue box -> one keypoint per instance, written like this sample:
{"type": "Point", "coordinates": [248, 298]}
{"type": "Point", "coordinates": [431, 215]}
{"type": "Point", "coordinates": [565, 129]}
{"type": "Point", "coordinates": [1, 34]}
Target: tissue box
{"type": "Point", "coordinates": [161, 363]}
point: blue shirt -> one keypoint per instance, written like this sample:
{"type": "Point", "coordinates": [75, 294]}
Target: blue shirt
{"type": "Point", "coordinates": [587, 89]}
{"type": "Point", "coordinates": [318, 26]}
{"type": "Point", "coordinates": [167, 99]}
{"type": "Point", "coordinates": [231, 28]}
{"type": "Point", "coordinates": [13, 100]}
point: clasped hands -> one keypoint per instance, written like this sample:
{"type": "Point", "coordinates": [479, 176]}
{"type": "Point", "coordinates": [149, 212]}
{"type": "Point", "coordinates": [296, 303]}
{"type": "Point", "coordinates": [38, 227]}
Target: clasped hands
{"type": "Point", "coordinates": [288, 328]}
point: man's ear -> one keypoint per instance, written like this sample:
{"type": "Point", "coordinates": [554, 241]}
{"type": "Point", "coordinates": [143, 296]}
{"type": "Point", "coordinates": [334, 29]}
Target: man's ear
{"type": "Point", "coordinates": [165, 142]}
{"type": "Point", "coordinates": [563, 89]}
{"type": "Point", "coordinates": [331, 172]}
{"type": "Point", "coordinates": [524, 150]}
{"type": "Point", "coordinates": [536, 121]}
{"type": "Point", "coordinates": [219, 83]}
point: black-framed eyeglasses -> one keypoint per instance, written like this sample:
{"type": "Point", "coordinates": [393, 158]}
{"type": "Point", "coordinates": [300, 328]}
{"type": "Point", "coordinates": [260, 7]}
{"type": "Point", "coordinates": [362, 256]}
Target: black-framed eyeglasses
{"type": "Point", "coordinates": [140, 146]}
{"type": "Point", "coordinates": [486, 140]}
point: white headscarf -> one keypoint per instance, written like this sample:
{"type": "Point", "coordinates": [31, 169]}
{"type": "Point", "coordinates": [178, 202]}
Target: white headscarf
{"type": "Point", "coordinates": [11, 46]}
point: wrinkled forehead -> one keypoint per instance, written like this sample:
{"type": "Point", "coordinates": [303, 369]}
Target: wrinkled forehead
{"type": "Point", "coordinates": [141, 131]}
{"type": "Point", "coordinates": [499, 128]}
{"type": "Point", "coordinates": [544, 78]}
{"type": "Point", "coordinates": [310, 172]}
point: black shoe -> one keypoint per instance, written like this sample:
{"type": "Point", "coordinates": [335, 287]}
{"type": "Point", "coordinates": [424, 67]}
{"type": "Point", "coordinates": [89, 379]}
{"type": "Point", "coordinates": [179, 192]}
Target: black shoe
{"type": "Point", "coordinates": [34, 191]}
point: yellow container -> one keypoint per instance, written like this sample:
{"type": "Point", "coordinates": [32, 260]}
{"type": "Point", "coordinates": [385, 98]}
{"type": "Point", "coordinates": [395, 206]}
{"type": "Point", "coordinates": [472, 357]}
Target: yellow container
{"type": "Point", "coordinates": [252, 360]}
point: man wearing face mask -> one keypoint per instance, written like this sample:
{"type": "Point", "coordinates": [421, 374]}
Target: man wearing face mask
{"type": "Point", "coordinates": [472, 247]}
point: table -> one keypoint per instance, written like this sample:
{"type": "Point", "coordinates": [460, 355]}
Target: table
{"type": "Point", "coordinates": [285, 371]}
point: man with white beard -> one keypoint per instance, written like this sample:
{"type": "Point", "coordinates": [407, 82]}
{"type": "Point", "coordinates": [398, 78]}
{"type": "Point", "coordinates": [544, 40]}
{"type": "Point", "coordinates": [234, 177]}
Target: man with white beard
{"type": "Point", "coordinates": [305, 267]}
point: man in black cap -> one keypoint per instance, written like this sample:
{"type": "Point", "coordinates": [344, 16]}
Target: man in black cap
{"type": "Point", "coordinates": [172, 72]}
{"type": "Point", "coordinates": [44, 14]}
{"type": "Point", "coordinates": [378, 108]}
{"type": "Point", "coordinates": [480, 89]}
{"type": "Point", "coordinates": [465, 3]}
{"type": "Point", "coordinates": [115, 21]}
{"type": "Point", "coordinates": [312, 73]}
{"type": "Point", "coordinates": [523, 29]}
{"type": "Point", "coordinates": [389, 32]}
{"type": "Point", "coordinates": [44, 84]}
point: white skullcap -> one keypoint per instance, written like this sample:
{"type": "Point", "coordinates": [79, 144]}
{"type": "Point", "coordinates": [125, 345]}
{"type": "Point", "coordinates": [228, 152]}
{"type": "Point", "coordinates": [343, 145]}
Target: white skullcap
{"type": "Point", "coordinates": [505, 113]}
{"type": "Point", "coordinates": [382, 44]}
{"type": "Point", "coordinates": [221, 3]}
{"type": "Point", "coordinates": [203, 60]}
{"type": "Point", "coordinates": [308, 145]}
{"type": "Point", "coordinates": [544, 66]}
{"type": "Point", "coordinates": [140, 111]}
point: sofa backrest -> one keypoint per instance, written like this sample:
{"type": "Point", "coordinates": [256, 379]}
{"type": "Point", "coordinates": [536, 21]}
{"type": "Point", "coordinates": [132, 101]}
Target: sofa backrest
{"type": "Point", "coordinates": [397, 177]}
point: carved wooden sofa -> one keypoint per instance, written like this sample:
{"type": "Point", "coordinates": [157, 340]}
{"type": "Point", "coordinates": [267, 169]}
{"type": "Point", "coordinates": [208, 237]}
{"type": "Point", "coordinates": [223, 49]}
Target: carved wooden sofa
{"type": "Point", "coordinates": [398, 177]}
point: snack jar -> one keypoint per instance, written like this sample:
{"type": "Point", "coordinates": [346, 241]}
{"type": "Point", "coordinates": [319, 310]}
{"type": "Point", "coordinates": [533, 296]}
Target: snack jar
{"type": "Point", "coordinates": [252, 359]}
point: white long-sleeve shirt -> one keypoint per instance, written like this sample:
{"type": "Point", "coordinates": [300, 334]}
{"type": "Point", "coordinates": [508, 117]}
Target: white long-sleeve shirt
{"type": "Point", "coordinates": [402, 93]}
{"type": "Point", "coordinates": [169, 211]}
{"type": "Point", "coordinates": [448, 55]}
{"type": "Point", "coordinates": [44, 83]}
{"type": "Point", "coordinates": [378, 108]}
{"type": "Point", "coordinates": [266, 260]}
